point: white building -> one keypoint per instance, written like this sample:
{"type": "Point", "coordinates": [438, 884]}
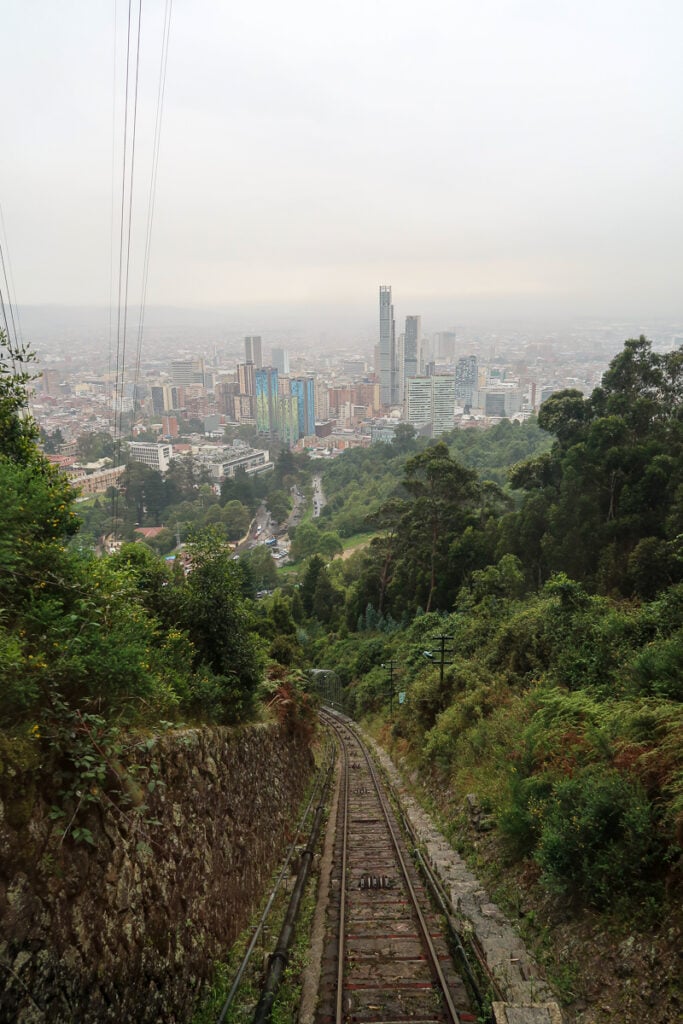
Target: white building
{"type": "Point", "coordinates": [224, 460]}
{"type": "Point", "coordinates": [418, 404]}
{"type": "Point", "coordinates": [156, 456]}
{"type": "Point", "coordinates": [430, 401]}
{"type": "Point", "coordinates": [443, 404]}
{"type": "Point", "coordinates": [501, 400]}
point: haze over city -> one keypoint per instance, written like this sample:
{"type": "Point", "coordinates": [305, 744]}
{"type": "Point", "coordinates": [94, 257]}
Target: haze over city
{"type": "Point", "coordinates": [490, 161]}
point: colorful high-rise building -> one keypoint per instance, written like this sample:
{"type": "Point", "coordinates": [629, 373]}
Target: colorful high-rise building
{"type": "Point", "coordinates": [304, 389]}
{"type": "Point", "coordinates": [288, 419]}
{"type": "Point", "coordinates": [266, 400]}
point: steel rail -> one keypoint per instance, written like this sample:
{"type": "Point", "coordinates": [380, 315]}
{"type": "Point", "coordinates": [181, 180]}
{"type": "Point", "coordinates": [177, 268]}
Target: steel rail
{"type": "Point", "coordinates": [339, 1011]}
{"type": "Point", "coordinates": [339, 727]}
{"type": "Point", "coordinates": [444, 903]}
{"type": "Point", "coordinates": [424, 928]}
{"type": "Point", "coordinates": [341, 943]}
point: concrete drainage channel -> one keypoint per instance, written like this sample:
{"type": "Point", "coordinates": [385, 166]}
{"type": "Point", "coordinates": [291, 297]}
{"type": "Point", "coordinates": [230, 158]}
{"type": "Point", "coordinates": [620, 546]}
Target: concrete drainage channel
{"type": "Point", "coordinates": [280, 957]}
{"type": "Point", "coordinates": [251, 974]}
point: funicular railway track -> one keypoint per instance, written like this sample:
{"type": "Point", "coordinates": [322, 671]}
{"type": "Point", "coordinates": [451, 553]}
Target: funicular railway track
{"type": "Point", "coordinates": [386, 956]}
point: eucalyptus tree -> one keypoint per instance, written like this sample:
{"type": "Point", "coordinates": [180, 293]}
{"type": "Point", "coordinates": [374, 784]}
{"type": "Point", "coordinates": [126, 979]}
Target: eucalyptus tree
{"type": "Point", "coordinates": [607, 498]}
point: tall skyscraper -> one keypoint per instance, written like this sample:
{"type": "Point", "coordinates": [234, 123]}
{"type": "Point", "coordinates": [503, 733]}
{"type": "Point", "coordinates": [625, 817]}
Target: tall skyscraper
{"type": "Point", "coordinates": [253, 351]}
{"type": "Point", "coordinates": [444, 347]}
{"type": "Point", "coordinates": [266, 400]}
{"type": "Point", "coordinates": [280, 360]}
{"type": "Point", "coordinates": [164, 398]}
{"type": "Point", "coordinates": [409, 355]}
{"type": "Point", "coordinates": [322, 400]}
{"type": "Point", "coordinates": [246, 378]}
{"type": "Point", "coordinates": [466, 380]}
{"type": "Point", "coordinates": [411, 347]}
{"type": "Point", "coordinates": [388, 384]}
{"type": "Point", "coordinates": [303, 388]}
{"type": "Point", "coordinates": [443, 403]}
{"type": "Point", "coordinates": [158, 404]}
{"type": "Point", "coordinates": [400, 366]}
{"type": "Point", "coordinates": [288, 419]}
{"type": "Point", "coordinates": [418, 404]}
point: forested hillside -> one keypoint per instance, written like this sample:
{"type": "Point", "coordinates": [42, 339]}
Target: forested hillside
{"type": "Point", "coordinates": [533, 631]}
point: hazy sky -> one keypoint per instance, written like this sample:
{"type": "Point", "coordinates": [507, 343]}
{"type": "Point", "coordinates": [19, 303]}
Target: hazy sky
{"type": "Point", "coordinates": [529, 150]}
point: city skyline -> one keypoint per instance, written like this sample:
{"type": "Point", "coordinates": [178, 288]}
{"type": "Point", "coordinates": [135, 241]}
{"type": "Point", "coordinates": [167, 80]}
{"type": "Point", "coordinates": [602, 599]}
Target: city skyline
{"type": "Point", "coordinates": [531, 166]}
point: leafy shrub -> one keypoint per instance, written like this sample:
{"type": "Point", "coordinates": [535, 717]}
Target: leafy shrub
{"type": "Point", "coordinates": [521, 820]}
{"type": "Point", "coordinates": [597, 835]}
{"type": "Point", "coordinates": [657, 670]}
{"type": "Point", "coordinates": [368, 694]}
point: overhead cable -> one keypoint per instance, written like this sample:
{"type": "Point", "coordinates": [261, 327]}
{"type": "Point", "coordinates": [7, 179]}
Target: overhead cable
{"type": "Point", "coordinates": [151, 200]}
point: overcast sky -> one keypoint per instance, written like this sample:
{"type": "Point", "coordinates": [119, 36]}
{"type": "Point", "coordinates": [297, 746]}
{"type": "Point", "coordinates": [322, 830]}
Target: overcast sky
{"type": "Point", "coordinates": [529, 150]}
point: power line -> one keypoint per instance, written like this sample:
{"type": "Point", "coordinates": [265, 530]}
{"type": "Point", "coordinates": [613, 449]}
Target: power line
{"type": "Point", "coordinates": [130, 215]}
{"type": "Point", "coordinates": [128, 170]}
{"type": "Point", "coordinates": [9, 285]}
{"type": "Point", "coordinates": [125, 235]}
{"type": "Point", "coordinates": [112, 214]}
{"type": "Point", "coordinates": [122, 223]}
{"type": "Point", "coordinates": [151, 202]}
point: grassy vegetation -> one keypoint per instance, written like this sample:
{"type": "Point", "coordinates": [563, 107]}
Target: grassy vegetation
{"type": "Point", "coordinates": [358, 540]}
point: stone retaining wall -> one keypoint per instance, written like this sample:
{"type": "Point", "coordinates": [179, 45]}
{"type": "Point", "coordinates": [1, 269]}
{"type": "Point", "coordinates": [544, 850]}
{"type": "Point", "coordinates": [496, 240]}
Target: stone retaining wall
{"type": "Point", "coordinates": [127, 930]}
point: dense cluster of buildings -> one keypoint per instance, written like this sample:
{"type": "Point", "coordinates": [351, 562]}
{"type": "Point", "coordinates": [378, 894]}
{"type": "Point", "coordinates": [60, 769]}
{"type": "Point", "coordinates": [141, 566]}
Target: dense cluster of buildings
{"type": "Point", "coordinates": [321, 401]}
{"type": "Point", "coordinates": [438, 391]}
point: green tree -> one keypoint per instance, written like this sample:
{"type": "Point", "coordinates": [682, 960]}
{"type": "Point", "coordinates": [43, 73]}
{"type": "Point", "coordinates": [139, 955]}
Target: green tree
{"type": "Point", "coordinates": [441, 493]}
{"type": "Point", "coordinates": [211, 609]}
{"type": "Point", "coordinates": [263, 570]}
{"type": "Point", "coordinates": [611, 480]}
{"type": "Point", "coordinates": [51, 442]}
{"type": "Point", "coordinates": [36, 514]}
{"type": "Point", "coordinates": [235, 519]}
{"type": "Point", "coordinates": [279, 505]}
{"type": "Point", "coordinates": [327, 600]}
{"type": "Point", "coordinates": [181, 480]}
{"type": "Point", "coordinates": [330, 545]}
{"type": "Point", "coordinates": [95, 446]}
{"type": "Point", "coordinates": [308, 584]}
{"type": "Point", "coordinates": [286, 469]}
{"type": "Point", "coordinates": [212, 516]}
{"type": "Point", "coordinates": [141, 484]}
{"type": "Point", "coordinates": [405, 438]}
{"type": "Point", "coordinates": [239, 488]}
{"type": "Point", "coordinates": [164, 542]}
{"type": "Point", "coordinates": [305, 541]}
